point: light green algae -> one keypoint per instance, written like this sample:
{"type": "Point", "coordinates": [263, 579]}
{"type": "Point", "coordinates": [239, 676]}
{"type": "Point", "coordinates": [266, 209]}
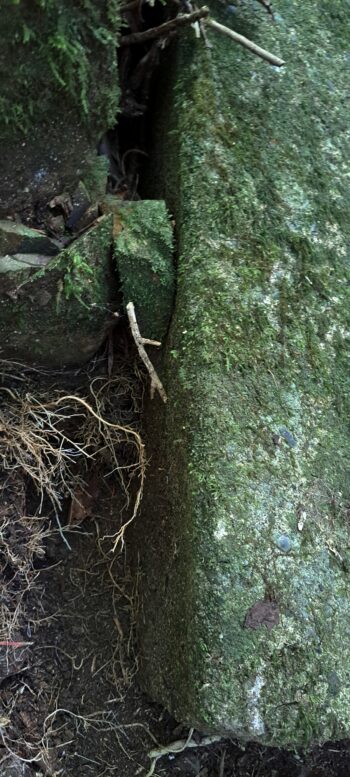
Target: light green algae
{"type": "Point", "coordinates": [248, 493]}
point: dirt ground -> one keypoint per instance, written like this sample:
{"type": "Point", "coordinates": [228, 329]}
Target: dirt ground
{"type": "Point", "coordinates": [76, 706]}
{"type": "Point", "coordinates": [70, 703]}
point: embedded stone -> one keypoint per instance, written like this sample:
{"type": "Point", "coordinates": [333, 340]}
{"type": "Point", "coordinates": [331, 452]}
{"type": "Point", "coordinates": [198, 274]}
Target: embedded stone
{"type": "Point", "coordinates": [57, 312]}
{"type": "Point", "coordinates": [283, 543]}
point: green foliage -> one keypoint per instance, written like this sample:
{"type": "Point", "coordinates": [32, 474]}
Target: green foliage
{"type": "Point", "coordinates": [56, 47]}
{"type": "Point", "coordinates": [77, 275]}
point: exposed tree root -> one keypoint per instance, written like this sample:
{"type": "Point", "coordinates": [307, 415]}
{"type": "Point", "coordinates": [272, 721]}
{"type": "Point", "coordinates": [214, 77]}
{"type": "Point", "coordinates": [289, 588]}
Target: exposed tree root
{"type": "Point", "coordinates": [53, 441]}
{"type": "Point", "coordinates": [178, 747]}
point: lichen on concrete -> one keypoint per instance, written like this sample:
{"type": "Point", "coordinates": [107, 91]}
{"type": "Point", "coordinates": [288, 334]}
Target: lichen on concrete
{"type": "Point", "coordinates": [248, 496]}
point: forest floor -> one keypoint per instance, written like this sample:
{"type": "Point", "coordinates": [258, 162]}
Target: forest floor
{"type": "Point", "coordinates": [70, 703]}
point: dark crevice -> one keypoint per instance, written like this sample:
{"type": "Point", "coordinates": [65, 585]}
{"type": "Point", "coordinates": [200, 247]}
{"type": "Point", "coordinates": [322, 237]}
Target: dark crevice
{"type": "Point", "coordinates": [68, 214]}
{"type": "Point", "coordinates": [126, 144]}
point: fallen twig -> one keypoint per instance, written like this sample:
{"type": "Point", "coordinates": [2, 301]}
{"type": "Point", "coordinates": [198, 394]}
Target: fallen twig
{"type": "Point", "coordinates": [178, 747]}
{"type": "Point", "coordinates": [203, 33]}
{"type": "Point", "coordinates": [140, 342]}
{"type": "Point", "coordinates": [222, 764]}
{"type": "Point", "coordinates": [201, 16]}
{"type": "Point", "coordinates": [130, 6]}
{"type": "Point", "coordinates": [248, 44]}
{"type": "Point", "coordinates": [182, 20]}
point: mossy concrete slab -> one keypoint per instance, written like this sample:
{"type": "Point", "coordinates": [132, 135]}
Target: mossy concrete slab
{"type": "Point", "coordinates": [58, 315]}
{"type": "Point", "coordinates": [245, 533]}
{"type": "Point", "coordinates": [143, 249]}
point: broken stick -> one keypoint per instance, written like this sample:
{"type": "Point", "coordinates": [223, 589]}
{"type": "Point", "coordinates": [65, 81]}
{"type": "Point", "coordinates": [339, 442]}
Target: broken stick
{"type": "Point", "coordinates": [174, 25]}
{"type": "Point", "coordinates": [140, 342]}
{"type": "Point", "coordinates": [248, 44]}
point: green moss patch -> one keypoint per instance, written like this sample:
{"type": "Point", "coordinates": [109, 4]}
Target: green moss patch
{"type": "Point", "coordinates": [55, 48]}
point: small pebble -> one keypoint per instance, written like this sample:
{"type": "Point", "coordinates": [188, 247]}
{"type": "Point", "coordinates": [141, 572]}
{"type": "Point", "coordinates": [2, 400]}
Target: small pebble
{"type": "Point", "coordinates": [283, 543]}
{"type": "Point", "coordinates": [287, 436]}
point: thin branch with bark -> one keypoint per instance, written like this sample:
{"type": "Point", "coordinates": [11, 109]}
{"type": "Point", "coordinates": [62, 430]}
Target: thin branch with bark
{"type": "Point", "coordinates": [200, 16]}
{"type": "Point", "coordinates": [140, 342]}
{"type": "Point", "coordinates": [248, 44]}
{"type": "Point", "coordinates": [182, 20]}
{"type": "Point", "coordinates": [178, 747]}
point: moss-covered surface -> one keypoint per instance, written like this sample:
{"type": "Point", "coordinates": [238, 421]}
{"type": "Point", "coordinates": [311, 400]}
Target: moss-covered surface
{"type": "Point", "coordinates": [59, 315]}
{"type": "Point", "coordinates": [247, 497]}
{"type": "Point", "coordinates": [61, 57]}
{"type": "Point", "coordinates": [143, 251]}
{"type": "Point", "coordinates": [58, 49]}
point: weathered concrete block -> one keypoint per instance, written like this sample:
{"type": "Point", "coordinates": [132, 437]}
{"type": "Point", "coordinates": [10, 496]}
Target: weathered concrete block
{"type": "Point", "coordinates": [56, 311]}
{"type": "Point", "coordinates": [143, 247]}
{"type": "Point", "coordinates": [244, 536]}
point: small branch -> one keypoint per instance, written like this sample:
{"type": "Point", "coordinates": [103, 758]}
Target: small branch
{"type": "Point", "coordinates": [130, 6]}
{"type": "Point", "coordinates": [140, 342]}
{"type": "Point", "coordinates": [146, 341]}
{"type": "Point", "coordinates": [204, 35]}
{"type": "Point", "coordinates": [178, 747]}
{"type": "Point", "coordinates": [248, 44]}
{"type": "Point", "coordinates": [182, 20]}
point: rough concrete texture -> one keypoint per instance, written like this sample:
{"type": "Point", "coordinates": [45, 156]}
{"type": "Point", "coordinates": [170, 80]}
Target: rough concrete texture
{"type": "Point", "coordinates": [59, 314]}
{"type": "Point", "coordinates": [244, 539]}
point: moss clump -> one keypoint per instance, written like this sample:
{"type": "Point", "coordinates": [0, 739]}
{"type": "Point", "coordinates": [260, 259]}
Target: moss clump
{"type": "Point", "coordinates": [84, 266]}
{"type": "Point", "coordinates": [62, 58]}
{"type": "Point", "coordinates": [95, 177]}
